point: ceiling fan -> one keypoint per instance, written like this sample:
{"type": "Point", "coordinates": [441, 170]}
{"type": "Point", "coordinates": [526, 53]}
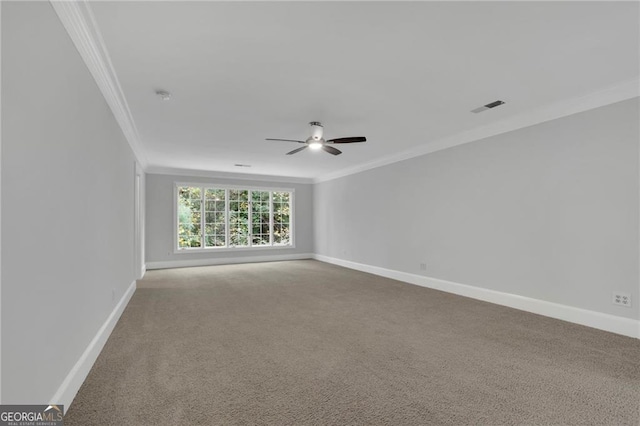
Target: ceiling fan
{"type": "Point", "coordinates": [316, 141]}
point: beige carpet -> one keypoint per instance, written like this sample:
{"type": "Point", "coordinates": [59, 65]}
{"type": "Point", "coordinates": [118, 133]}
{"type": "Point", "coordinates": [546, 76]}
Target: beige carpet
{"type": "Point", "coordinates": [307, 343]}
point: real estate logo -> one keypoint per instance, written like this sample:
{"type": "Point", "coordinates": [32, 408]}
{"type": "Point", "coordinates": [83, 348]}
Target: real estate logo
{"type": "Point", "coordinates": [31, 415]}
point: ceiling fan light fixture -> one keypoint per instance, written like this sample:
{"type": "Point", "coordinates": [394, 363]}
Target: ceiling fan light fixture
{"type": "Point", "coordinates": [315, 145]}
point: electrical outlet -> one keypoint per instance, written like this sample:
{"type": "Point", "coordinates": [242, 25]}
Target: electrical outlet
{"type": "Point", "coordinates": [423, 266]}
{"type": "Point", "coordinates": [622, 299]}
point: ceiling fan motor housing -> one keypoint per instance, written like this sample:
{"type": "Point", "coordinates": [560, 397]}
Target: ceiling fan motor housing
{"type": "Point", "coordinates": [316, 130]}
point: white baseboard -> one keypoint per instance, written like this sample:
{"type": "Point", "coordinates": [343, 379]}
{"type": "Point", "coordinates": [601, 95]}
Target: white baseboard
{"type": "Point", "coordinates": [71, 384]}
{"type": "Point", "coordinates": [225, 261]}
{"type": "Point", "coordinates": [614, 324]}
{"type": "Point", "coordinates": [143, 270]}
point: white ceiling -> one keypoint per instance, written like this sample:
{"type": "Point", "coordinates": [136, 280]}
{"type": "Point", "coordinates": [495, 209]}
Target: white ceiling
{"type": "Point", "coordinates": [402, 74]}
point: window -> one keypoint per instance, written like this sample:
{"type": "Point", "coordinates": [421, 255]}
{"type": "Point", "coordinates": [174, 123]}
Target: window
{"type": "Point", "coordinates": [219, 217]}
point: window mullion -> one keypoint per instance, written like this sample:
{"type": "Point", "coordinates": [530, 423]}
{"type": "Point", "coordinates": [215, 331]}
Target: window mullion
{"type": "Point", "coordinates": [203, 244]}
{"type": "Point", "coordinates": [270, 218]}
{"type": "Point", "coordinates": [250, 219]}
{"type": "Point", "coordinates": [227, 233]}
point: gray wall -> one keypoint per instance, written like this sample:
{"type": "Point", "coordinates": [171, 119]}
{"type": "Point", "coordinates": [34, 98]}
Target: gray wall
{"type": "Point", "coordinates": [160, 227]}
{"type": "Point", "coordinates": [548, 212]}
{"type": "Point", "coordinates": [67, 205]}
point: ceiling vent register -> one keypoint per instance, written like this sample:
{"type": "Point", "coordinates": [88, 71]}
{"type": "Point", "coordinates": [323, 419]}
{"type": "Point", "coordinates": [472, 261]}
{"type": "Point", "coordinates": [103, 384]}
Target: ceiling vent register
{"type": "Point", "coordinates": [487, 106]}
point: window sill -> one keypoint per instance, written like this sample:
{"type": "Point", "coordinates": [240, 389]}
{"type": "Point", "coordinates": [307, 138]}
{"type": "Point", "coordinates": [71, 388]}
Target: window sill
{"type": "Point", "coordinates": [228, 249]}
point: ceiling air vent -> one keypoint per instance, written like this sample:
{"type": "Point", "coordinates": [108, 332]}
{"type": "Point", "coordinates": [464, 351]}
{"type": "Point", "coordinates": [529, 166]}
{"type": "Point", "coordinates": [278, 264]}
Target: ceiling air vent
{"type": "Point", "coordinates": [487, 106]}
{"type": "Point", "coordinates": [242, 165]}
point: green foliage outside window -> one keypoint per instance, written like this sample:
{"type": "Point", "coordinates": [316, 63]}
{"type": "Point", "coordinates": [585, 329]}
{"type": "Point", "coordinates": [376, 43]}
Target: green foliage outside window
{"type": "Point", "coordinates": [247, 213]}
{"type": "Point", "coordinates": [189, 215]}
{"type": "Point", "coordinates": [238, 217]}
{"type": "Point", "coordinates": [281, 218]}
{"type": "Point", "coordinates": [214, 223]}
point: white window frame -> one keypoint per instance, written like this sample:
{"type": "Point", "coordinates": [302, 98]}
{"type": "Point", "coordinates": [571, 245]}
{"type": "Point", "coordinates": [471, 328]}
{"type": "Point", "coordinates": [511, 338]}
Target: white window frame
{"type": "Point", "coordinates": [292, 241]}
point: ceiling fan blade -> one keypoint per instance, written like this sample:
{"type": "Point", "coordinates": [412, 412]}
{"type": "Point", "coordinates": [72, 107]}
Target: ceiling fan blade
{"type": "Point", "coordinates": [297, 150]}
{"type": "Point", "coordinates": [331, 150]}
{"type": "Point", "coordinates": [348, 140]}
{"type": "Point", "coordinates": [285, 140]}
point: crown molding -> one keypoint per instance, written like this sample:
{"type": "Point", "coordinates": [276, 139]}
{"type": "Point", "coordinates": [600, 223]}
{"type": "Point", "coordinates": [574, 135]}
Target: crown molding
{"type": "Point", "coordinates": [619, 92]}
{"type": "Point", "coordinates": [155, 170]}
{"type": "Point", "coordinates": [79, 22]}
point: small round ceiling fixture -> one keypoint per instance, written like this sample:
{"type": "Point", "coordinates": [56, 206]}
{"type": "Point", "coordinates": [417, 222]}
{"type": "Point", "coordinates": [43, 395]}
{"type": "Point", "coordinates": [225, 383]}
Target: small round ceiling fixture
{"type": "Point", "coordinates": [164, 95]}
